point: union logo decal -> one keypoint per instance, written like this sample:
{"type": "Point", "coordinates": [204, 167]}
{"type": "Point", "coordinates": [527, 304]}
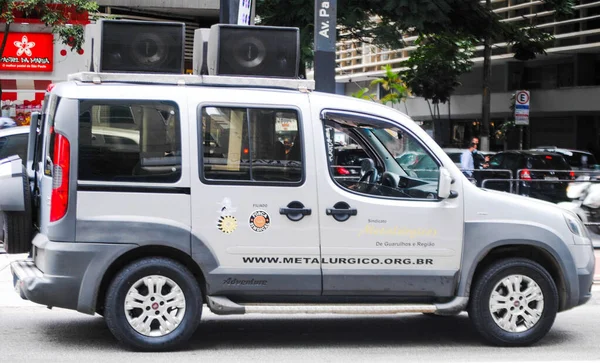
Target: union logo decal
{"type": "Point", "coordinates": [259, 221]}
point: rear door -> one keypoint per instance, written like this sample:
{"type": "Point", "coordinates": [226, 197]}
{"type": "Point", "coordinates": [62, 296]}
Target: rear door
{"type": "Point", "coordinates": [254, 192]}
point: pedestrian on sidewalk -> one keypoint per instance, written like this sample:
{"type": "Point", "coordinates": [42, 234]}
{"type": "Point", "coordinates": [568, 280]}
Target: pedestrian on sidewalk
{"type": "Point", "coordinates": [466, 161]}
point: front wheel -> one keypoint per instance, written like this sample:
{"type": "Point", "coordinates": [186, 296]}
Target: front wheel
{"type": "Point", "coordinates": [154, 304]}
{"type": "Point", "coordinates": [513, 302]}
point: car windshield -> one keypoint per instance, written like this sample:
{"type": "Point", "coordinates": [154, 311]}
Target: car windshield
{"type": "Point", "coordinates": [547, 162]}
{"type": "Point", "coordinates": [580, 160]}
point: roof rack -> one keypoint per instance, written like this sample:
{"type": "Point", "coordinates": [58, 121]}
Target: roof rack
{"type": "Point", "coordinates": [192, 80]}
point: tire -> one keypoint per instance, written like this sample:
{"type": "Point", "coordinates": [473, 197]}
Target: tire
{"type": "Point", "coordinates": [539, 312]}
{"type": "Point", "coordinates": [18, 226]}
{"type": "Point", "coordinates": [133, 325]}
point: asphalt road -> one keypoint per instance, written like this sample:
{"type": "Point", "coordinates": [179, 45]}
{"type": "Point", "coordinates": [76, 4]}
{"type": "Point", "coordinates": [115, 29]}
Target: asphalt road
{"type": "Point", "coordinates": [32, 333]}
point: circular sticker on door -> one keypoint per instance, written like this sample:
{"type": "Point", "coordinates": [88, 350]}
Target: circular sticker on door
{"type": "Point", "coordinates": [260, 221]}
{"type": "Point", "coordinates": [227, 224]}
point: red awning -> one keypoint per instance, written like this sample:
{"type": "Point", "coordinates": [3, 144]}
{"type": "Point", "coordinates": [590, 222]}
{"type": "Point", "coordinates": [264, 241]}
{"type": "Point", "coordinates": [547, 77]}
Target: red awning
{"type": "Point", "coordinates": [20, 90]}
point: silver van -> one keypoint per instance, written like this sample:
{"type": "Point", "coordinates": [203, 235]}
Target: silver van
{"type": "Point", "coordinates": [145, 198]}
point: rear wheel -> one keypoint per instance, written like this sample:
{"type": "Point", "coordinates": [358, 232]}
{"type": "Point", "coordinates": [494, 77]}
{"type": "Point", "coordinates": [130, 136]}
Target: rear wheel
{"type": "Point", "coordinates": [154, 304]}
{"type": "Point", "coordinates": [513, 302]}
{"type": "Point", "coordinates": [17, 228]}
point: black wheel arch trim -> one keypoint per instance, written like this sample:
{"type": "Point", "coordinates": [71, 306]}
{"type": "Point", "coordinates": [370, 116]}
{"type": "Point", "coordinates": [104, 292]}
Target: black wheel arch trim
{"type": "Point", "coordinates": [475, 251]}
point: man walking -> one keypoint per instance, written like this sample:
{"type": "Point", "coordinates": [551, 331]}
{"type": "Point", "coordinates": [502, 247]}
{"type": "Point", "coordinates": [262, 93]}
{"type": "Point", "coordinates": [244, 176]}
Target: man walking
{"type": "Point", "coordinates": [466, 161]}
{"type": "Point", "coordinates": [476, 160]}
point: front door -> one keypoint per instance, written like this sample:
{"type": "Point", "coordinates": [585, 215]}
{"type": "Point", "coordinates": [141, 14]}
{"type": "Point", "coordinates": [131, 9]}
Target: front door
{"type": "Point", "coordinates": [254, 201]}
{"type": "Point", "coordinates": [384, 231]}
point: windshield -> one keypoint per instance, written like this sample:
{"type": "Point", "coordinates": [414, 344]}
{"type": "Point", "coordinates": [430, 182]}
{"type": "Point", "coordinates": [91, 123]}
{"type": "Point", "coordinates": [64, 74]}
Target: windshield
{"type": "Point", "coordinates": [548, 162]}
{"type": "Point", "coordinates": [581, 160]}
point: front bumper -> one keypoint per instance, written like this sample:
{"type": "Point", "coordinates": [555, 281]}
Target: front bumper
{"type": "Point", "coordinates": [586, 280]}
{"type": "Point", "coordinates": [585, 273]}
{"type": "Point", "coordinates": [65, 274]}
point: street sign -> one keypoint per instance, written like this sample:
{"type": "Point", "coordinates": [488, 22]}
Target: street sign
{"type": "Point", "coordinates": [522, 108]}
{"type": "Point", "coordinates": [244, 12]}
{"type": "Point", "coordinates": [325, 39]}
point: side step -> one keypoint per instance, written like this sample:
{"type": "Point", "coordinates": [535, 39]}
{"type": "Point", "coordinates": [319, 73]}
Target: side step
{"type": "Point", "coordinates": [223, 306]}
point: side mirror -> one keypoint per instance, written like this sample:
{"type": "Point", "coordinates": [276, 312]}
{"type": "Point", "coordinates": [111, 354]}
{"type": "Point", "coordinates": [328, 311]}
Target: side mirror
{"type": "Point", "coordinates": [444, 183]}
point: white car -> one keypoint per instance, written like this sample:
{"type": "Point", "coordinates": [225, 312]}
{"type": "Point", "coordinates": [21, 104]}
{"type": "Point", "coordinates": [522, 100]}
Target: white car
{"type": "Point", "coordinates": [13, 141]}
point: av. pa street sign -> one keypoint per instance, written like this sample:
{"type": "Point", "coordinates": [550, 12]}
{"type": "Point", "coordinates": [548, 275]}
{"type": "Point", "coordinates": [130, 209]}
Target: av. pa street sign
{"type": "Point", "coordinates": [522, 108]}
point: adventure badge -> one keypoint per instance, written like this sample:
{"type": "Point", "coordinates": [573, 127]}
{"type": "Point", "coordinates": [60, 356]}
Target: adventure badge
{"type": "Point", "coordinates": [227, 223]}
{"type": "Point", "coordinates": [260, 221]}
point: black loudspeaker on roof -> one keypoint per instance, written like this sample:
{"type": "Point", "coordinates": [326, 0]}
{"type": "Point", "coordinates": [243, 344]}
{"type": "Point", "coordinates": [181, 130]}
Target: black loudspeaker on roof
{"type": "Point", "coordinates": [140, 46]}
{"type": "Point", "coordinates": [259, 51]}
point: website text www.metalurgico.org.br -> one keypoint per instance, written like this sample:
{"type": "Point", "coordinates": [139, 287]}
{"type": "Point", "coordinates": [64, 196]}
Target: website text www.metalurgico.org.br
{"type": "Point", "coordinates": [339, 260]}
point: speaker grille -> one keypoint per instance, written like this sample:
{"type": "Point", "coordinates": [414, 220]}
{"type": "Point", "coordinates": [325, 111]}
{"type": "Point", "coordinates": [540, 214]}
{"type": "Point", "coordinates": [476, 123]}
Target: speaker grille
{"type": "Point", "coordinates": [258, 51]}
{"type": "Point", "coordinates": [142, 47]}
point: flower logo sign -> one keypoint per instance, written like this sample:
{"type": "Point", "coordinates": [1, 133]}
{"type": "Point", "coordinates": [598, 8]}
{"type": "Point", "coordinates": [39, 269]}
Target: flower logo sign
{"type": "Point", "coordinates": [24, 46]}
{"type": "Point", "coordinates": [32, 52]}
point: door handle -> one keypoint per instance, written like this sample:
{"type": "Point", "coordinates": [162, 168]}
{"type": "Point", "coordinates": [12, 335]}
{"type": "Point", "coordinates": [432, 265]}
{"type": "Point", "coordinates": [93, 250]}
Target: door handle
{"type": "Point", "coordinates": [295, 211]}
{"type": "Point", "coordinates": [341, 211]}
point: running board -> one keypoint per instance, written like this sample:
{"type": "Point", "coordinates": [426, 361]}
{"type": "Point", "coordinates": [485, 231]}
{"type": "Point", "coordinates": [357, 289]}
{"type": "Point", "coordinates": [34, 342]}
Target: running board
{"type": "Point", "coordinates": [223, 306]}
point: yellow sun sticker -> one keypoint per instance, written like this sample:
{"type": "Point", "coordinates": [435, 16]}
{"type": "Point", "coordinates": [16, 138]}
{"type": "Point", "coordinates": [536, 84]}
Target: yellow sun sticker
{"type": "Point", "coordinates": [227, 224]}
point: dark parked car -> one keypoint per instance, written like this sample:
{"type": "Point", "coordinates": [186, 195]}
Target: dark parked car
{"type": "Point", "coordinates": [578, 159]}
{"type": "Point", "coordinates": [346, 162]}
{"type": "Point", "coordinates": [541, 174]}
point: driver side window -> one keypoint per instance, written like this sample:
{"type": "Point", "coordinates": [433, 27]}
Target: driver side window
{"type": "Point", "coordinates": [379, 159]}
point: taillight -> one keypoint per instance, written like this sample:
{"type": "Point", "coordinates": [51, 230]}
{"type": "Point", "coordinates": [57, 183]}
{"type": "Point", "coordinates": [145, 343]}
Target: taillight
{"type": "Point", "coordinates": [342, 171]}
{"type": "Point", "coordinates": [572, 175]}
{"type": "Point", "coordinates": [60, 178]}
{"type": "Point", "coordinates": [525, 175]}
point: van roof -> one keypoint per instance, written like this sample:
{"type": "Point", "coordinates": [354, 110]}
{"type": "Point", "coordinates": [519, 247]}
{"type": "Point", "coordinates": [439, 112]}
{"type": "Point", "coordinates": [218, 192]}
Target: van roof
{"type": "Point", "coordinates": [189, 79]}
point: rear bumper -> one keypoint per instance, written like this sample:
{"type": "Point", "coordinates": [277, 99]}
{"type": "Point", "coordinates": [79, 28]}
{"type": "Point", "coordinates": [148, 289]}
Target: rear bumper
{"type": "Point", "coordinates": [65, 275]}
{"type": "Point", "coordinates": [31, 284]}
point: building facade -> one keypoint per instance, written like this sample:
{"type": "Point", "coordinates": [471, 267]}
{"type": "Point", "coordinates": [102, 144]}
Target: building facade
{"type": "Point", "coordinates": [564, 84]}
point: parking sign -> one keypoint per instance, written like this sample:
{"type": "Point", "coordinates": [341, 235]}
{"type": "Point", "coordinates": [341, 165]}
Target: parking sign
{"type": "Point", "coordinates": [522, 108]}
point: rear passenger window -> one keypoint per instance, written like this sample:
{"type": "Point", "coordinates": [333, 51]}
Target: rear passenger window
{"type": "Point", "coordinates": [131, 141]}
{"type": "Point", "coordinates": [251, 145]}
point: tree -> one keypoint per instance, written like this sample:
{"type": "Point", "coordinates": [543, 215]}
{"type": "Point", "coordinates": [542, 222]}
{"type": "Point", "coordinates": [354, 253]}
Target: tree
{"type": "Point", "coordinates": [530, 42]}
{"type": "Point", "coordinates": [385, 22]}
{"type": "Point", "coordinates": [52, 13]}
{"type": "Point", "coordinates": [395, 89]}
{"type": "Point", "coordinates": [433, 71]}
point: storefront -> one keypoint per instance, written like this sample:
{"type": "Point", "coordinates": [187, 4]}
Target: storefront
{"type": "Point", "coordinates": [34, 58]}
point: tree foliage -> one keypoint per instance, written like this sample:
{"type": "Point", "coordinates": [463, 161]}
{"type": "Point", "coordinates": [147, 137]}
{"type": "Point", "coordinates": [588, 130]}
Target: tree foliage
{"type": "Point", "coordinates": [395, 89]}
{"type": "Point", "coordinates": [434, 68]}
{"type": "Point", "coordinates": [385, 22]}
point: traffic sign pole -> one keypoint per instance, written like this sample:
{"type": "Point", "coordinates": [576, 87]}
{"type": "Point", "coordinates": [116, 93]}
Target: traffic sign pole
{"type": "Point", "coordinates": [522, 99]}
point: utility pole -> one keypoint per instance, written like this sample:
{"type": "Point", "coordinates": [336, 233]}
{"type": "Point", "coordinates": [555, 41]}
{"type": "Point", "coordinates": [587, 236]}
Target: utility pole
{"type": "Point", "coordinates": [486, 97]}
{"type": "Point", "coordinates": [325, 37]}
